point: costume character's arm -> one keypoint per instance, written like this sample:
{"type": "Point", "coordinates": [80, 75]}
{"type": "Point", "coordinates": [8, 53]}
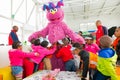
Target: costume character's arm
{"type": "Point", "coordinates": [72, 35]}
{"type": "Point", "coordinates": [37, 34]}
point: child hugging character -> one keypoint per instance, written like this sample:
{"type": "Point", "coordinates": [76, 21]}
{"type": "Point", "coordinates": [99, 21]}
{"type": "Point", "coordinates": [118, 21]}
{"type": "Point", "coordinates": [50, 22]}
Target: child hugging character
{"type": "Point", "coordinates": [16, 56]}
{"type": "Point", "coordinates": [66, 54]}
{"type": "Point", "coordinates": [106, 60]}
{"type": "Point", "coordinates": [41, 48]}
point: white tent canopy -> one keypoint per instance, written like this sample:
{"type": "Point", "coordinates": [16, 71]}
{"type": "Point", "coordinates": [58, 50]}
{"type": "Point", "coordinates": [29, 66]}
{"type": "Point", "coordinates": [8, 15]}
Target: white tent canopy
{"type": "Point", "coordinates": [79, 15]}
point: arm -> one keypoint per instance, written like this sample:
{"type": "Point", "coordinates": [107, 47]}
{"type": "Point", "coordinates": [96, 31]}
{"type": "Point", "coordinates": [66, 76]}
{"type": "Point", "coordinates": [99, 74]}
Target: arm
{"type": "Point", "coordinates": [37, 34]}
{"type": "Point", "coordinates": [72, 35]}
{"type": "Point", "coordinates": [26, 54]}
{"type": "Point", "coordinates": [51, 51]}
{"type": "Point", "coordinates": [14, 36]}
{"type": "Point", "coordinates": [97, 48]}
{"type": "Point", "coordinates": [105, 30]}
{"type": "Point", "coordinates": [85, 67]}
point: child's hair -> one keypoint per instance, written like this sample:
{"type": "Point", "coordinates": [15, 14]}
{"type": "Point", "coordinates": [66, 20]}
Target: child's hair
{"type": "Point", "coordinates": [44, 43]}
{"type": "Point", "coordinates": [65, 41]}
{"type": "Point", "coordinates": [16, 44]}
{"type": "Point", "coordinates": [105, 41]}
{"type": "Point", "coordinates": [89, 37]}
{"type": "Point", "coordinates": [77, 45]}
{"type": "Point", "coordinates": [118, 47]}
{"type": "Point", "coordinates": [37, 42]}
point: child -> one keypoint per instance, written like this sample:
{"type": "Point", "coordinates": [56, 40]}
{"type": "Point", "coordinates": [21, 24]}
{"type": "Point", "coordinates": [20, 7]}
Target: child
{"type": "Point", "coordinates": [115, 43]}
{"type": "Point", "coordinates": [90, 46]}
{"type": "Point", "coordinates": [16, 56]}
{"type": "Point", "coordinates": [76, 60]}
{"type": "Point", "coordinates": [66, 54]}
{"type": "Point", "coordinates": [84, 56]}
{"type": "Point", "coordinates": [43, 51]}
{"type": "Point", "coordinates": [106, 60]}
{"type": "Point", "coordinates": [93, 49]}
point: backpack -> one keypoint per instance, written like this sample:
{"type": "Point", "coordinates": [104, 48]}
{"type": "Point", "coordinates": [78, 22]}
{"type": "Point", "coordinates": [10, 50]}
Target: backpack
{"type": "Point", "coordinates": [93, 60]}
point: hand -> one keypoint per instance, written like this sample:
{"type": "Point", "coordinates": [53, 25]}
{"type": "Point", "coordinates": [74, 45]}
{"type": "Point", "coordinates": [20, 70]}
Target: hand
{"type": "Point", "coordinates": [37, 54]}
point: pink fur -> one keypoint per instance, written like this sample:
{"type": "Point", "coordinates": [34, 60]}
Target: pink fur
{"type": "Point", "coordinates": [57, 29]}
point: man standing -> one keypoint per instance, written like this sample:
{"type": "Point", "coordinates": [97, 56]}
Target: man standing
{"type": "Point", "coordinates": [13, 36]}
{"type": "Point", "coordinates": [101, 31]}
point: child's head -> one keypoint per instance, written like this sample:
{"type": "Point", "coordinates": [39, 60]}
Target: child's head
{"type": "Point", "coordinates": [37, 42]}
{"type": "Point", "coordinates": [44, 43]}
{"type": "Point", "coordinates": [117, 32]}
{"type": "Point", "coordinates": [17, 45]}
{"type": "Point", "coordinates": [77, 48]}
{"type": "Point", "coordinates": [105, 41]}
{"type": "Point", "coordinates": [89, 39]}
{"type": "Point", "coordinates": [65, 41]}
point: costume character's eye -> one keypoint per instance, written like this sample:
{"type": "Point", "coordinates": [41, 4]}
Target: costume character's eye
{"type": "Point", "coordinates": [51, 10]}
{"type": "Point", "coordinates": [55, 9]}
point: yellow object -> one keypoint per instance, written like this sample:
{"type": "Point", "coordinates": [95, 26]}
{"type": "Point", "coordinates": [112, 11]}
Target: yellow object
{"type": "Point", "coordinates": [118, 72]}
{"type": "Point", "coordinates": [5, 74]}
{"type": "Point", "coordinates": [93, 60]}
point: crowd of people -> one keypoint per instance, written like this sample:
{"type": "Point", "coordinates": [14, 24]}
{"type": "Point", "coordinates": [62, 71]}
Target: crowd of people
{"type": "Point", "coordinates": [98, 56]}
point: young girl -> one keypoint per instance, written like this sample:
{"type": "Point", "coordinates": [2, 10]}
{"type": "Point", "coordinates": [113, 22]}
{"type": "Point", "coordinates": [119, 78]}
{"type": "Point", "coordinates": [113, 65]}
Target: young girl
{"type": "Point", "coordinates": [115, 43]}
{"type": "Point", "coordinates": [16, 56]}
{"type": "Point", "coordinates": [93, 49]}
{"type": "Point", "coordinates": [90, 46]}
{"type": "Point", "coordinates": [41, 48]}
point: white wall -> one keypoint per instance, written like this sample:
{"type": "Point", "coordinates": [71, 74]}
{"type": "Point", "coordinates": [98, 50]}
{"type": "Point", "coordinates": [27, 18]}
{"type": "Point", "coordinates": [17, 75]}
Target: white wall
{"type": "Point", "coordinates": [4, 57]}
{"type": "Point", "coordinates": [107, 20]}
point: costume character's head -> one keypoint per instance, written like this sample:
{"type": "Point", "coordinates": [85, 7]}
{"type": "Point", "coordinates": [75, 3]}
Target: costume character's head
{"type": "Point", "coordinates": [54, 13]}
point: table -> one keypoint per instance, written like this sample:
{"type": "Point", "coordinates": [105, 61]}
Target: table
{"type": "Point", "coordinates": [62, 75]}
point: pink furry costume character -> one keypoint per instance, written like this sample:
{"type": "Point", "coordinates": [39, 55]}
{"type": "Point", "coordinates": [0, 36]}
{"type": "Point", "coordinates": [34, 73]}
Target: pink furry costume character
{"type": "Point", "coordinates": [56, 28]}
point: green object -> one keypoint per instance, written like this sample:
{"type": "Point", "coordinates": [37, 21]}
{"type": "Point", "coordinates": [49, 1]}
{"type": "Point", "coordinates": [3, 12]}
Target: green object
{"type": "Point", "coordinates": [12, 16]}
{"type": "Point", "coordinates": [107, 66]}
{"type": "Point", "coordinates": [25, 43]}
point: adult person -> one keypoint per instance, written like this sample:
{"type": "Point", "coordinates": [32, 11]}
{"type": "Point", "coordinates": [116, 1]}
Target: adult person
{"type": "Point", "coordinates": [101, 31]}
{"type": "Point", "coordinates": [13, 36]}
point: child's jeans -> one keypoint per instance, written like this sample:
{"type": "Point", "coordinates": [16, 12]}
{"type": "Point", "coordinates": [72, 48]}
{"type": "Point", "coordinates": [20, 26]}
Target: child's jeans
{"type": "Point", "coordinates": [99, 76]}
{"type": "Point", "coordinates": [70, 65]}
{"type": "Point", "coordinates": [35, 67]}
{"type": "Point", "coordinates": [92, 73]}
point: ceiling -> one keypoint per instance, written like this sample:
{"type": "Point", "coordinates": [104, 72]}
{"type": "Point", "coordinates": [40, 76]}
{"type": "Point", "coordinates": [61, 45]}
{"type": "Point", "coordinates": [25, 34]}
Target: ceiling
{"type": "Point", "coordinates": [88, 8]}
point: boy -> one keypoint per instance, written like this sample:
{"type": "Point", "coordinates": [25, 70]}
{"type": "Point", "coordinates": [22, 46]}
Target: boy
{"type": "Point", "coordinates": [66, 54]}
{"type": "Point", "coordinates": [84, 55]}
{"type": "Point", "coordinates": [106, 60]}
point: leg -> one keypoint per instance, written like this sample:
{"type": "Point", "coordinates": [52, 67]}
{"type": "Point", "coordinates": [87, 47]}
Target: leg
{"type": "Point", "coordinates": [35, 67]}
{"type": "Point", "coordinates": [19, 76]}
{"type": "Point", "coordinates": [99, 76]}
{"type": "Point", "coordinates": [47, 64]}
{"type": "Point", "coordinates": [70, 66]}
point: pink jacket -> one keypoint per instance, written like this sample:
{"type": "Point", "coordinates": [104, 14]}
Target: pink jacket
{"type": "Point", "coordinates": [16, 57]}
{"type": "Point", "coordinates": [57, 31]}
{"type": "Point", "coordinates": [92, 48]}
{"type": "Point", "coordinates": [42, 51]}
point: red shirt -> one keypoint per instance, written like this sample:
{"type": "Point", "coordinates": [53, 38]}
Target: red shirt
{"type": "Point", "coordinates": [99, 34]}
{"type": "Point", "coordinates": [65, 53]}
